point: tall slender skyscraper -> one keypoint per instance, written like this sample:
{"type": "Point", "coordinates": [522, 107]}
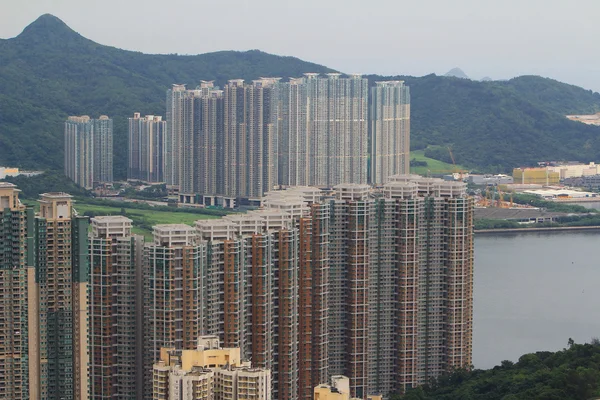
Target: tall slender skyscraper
{"type": "Point", "coordinates": [114, 301]}
{"type": "Point", "coordinates": [338, 129]}
{"type": "Point", "coordinates": [389, 130]}
{"type": "Point", "coordinates": [18, 298]}
{"type": "Point", "coordinates": [103, 149]}
{"type": "Point", "coordinates": [79, 150]}
{"type": "Point", "coordinates": [89, 150]}
{"type": "Point", "coordinates": [173, 135]}
{"type": "Point", "coordinates": [173, 294]}
{"type": "Point", "coordinates": [62, 275]}
{"type": "Point", "coordinates": [146, 148]}
{"type": "Point", "coordinates": [293, 144]}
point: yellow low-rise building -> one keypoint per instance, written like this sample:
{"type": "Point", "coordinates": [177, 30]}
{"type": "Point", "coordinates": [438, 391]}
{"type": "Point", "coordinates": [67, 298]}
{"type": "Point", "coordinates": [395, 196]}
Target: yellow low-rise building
{"type": "Point", "coordinates": [208, 373]}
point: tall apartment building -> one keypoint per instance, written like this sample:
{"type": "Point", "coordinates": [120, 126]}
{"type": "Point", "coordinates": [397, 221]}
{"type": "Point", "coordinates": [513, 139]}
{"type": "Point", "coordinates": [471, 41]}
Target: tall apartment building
{"type": "Point", "coordinates": [172, 149]}
{"type": "Point", "coordinates": [61, 278]}
{"type": "Point", "coordinates": [79, 150]}
{"type": "Point", "coordinates": [115, 310]}
{"type": "Point", "coordinates": [324, 130]}
{"type": "Point", "coordinates": [103, 149]}
{"type": "Point", "coordinates": [399, 278]}
{"type": "Point", "coordinates": [389, 131]}
{"type": "Point", "coordinates": [146, 148]}
{"type": "Point", "coordinates": [208, 372]}
{"type": "Point", "coordinates": [173, 294]}
{"type": "Point", "coordinates": [240, 142]}
{"type": "Point", "coordinates": [222, 144]}
{"type": "Point", "coordinates": [371, 283]}
{"type": "Point", "coordinates": [17, 297]}
{"type": "Point", "coordinates": [89, 150]}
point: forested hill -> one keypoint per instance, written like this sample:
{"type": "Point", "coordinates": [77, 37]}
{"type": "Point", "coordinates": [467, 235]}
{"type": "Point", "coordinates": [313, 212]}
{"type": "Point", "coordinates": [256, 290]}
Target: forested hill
{"type": "Point", "coordinates": [570, 374]}
{"type": "Point", "coordinates": [49, 72]}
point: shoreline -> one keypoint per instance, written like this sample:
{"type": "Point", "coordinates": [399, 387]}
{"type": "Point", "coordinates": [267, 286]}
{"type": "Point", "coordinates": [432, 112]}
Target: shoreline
{"type": "Point", "coordinates": [546, 229]}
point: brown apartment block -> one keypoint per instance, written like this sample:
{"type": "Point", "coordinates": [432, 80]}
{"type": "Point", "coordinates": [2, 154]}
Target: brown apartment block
{"type": "Point", "coordinates": [372, 284]}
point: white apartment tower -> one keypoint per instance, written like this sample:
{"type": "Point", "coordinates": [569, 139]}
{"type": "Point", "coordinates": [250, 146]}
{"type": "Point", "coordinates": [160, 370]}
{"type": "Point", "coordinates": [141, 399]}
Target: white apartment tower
{"type": "Point", "coordinates": [89, 150]}
{"type": "Point", "coordinates": [146, 148]}
{"type": "Point", "coordinates": [389, 130]}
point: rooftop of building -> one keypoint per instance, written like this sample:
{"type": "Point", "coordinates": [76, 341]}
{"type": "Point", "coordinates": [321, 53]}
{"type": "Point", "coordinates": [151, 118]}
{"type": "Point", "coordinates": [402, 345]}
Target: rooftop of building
{"type": "Point", "coordinates": [56, 195]}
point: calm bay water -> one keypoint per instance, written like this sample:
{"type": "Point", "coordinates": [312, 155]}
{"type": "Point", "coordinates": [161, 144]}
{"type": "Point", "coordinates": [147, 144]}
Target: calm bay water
{"type": "Point", "coordinates": [534, 291]}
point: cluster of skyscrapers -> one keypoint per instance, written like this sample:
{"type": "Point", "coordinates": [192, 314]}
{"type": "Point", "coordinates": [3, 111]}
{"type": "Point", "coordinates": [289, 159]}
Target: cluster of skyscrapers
{"type": "Point", "coordinates": [371, 283]}
{"type": "Point", "coordinates": [89, 150]}
{"type": "Point", "coordinates": [223, 146]}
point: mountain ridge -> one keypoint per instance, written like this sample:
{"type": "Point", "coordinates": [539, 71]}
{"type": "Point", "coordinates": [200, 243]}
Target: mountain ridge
{"type": "Point", "coordinates": [489, 125]}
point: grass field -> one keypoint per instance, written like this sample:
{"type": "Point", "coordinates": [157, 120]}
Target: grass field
{"type": "Point", "coordinates": [143, 220]}
{"type": "Point", "coordinates": [434, 167]}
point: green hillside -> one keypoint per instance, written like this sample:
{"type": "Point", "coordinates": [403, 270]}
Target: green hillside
{"type": "Point", "coordinates": [570, 374]}
{"type": "Point", "coordinates": [49, 72]}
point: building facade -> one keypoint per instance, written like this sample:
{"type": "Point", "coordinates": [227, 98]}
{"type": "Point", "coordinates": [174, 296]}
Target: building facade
{"type": "Point", "coordinates": [233, 145]}
{"type": "Point", "coordinates": [18, 297]}
{"type": "Point", "coordinates": [208, 372]}
{"type": "Point", "coordinates": [114, 301]}
{"type": "Point", "coordinates": [373, 284]}
{"type": "Point", "coordinates": [389, 131]}
{"type": "Point", "coordinates": [61, 277]}
{"type": "Point", "coordinates": [89, 150]}
{"type": "Point", "coordinates": [146, 148]}
{"type": "Point", "coordinates": [173, 294]}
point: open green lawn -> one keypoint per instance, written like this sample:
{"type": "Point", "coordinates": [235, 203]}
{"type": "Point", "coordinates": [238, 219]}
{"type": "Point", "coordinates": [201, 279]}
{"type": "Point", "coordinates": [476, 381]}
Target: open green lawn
{"type": "Point", "coordinates": [143, 220]}
{"type": "Point", "coordinates": [434, 167]}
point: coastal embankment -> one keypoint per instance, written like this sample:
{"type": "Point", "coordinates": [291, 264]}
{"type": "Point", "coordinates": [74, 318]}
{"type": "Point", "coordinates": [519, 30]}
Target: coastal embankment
{"type": "Point", "coordinates": [541, 229]}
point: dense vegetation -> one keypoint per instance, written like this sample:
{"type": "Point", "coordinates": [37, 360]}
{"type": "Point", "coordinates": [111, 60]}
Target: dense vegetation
{"type": "Point", "coordinates": [495, 126]}
{"type": "Point", "coordinates": [49, 72]}
{"type": "Point", "coordinates": [51, 181]}
{"type": "Point", "coordinates": [572, 373]}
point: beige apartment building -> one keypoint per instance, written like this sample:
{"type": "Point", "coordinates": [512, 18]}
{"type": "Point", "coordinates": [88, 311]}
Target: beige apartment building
{"type": "Point", "coordinates": [208, 373]}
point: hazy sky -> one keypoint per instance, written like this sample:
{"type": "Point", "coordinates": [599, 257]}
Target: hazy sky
{"type": "Point", "coordinates": [496, 38]}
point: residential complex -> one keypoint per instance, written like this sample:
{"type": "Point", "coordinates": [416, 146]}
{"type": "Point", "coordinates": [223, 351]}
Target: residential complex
{"type": "Point", "coordinates": [227, 146]}
{"type": "Point", "coordinates": [208, 372]}
{"type": "Point", "coordinates": [89, 150]}
{"type": "Point", "coordinates": [373, 284]}
{"type": "Point", "coordinates": [146, 148]}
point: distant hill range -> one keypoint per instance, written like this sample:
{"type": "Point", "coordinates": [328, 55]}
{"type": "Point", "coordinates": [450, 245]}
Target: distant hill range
{"type": "Point", "coordinates": [49, 72]}
{"type": "Point", "coordinates": [457, 73]}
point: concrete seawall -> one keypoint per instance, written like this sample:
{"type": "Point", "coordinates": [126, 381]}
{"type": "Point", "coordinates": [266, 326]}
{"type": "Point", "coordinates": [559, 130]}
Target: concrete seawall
{"type": "Point", "coordinates": [545, 229]}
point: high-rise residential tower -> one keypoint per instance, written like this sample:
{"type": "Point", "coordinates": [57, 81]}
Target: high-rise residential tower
{"type": "Point", "coordinates": [172, 149]}
{"type": "Point", "coordinates": [173, 294]}
{"type": "Point", "coordinates": [89, 150]}
{"type": "Point", "coordinates": [61, 276]}
{"type": "Point", "coordinates": [337, 113]}
{"type": "Point", "coordinates": [79, 150]}
{"type": "Point", "coordinates": [389, 131]}
{"type": "Point", "coordinates": [103, 149]}
{"type": "Point", "coordinates": [146, 148]}
{"type": "Point", "coordinates": [115, 305]}
{"type": "Point", "coordinates": [398, 283]}
{"type": "Point", "coordinates": [18, 312]}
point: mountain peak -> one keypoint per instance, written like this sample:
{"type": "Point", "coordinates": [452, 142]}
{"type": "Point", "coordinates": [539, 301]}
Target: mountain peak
{"type": "Point", "coordinates": [457, 73]}
{"type": "Point", "coordinates": [50, 30]}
